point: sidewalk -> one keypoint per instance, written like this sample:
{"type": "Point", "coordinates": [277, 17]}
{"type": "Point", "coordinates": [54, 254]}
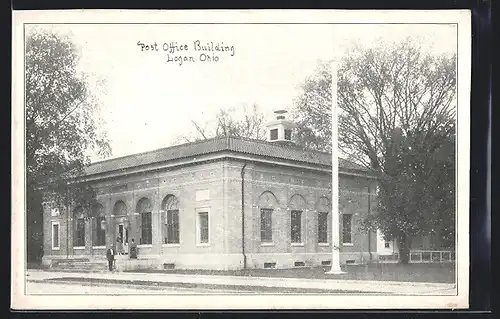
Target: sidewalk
{"type": "Point", "coordinates": [389, 287]}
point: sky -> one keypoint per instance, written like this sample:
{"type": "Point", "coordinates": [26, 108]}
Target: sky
{"type": "Point", "coordinates": [147, 102]}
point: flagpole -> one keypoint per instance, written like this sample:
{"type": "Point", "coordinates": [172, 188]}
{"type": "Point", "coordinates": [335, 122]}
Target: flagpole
{"type": "Point", "coordinates": [335, 265]}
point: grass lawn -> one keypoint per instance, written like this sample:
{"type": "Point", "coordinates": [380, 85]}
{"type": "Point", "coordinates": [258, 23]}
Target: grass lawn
{"type": "Point", "coordinates": [440, 273]}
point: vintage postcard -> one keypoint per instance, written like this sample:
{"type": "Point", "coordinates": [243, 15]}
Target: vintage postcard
{"type": "Point", "coordinates": [280, 159]}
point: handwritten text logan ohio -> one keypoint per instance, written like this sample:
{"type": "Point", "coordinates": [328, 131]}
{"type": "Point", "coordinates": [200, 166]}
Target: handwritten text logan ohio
{"type": "Point", "coordinates": [183, 53]}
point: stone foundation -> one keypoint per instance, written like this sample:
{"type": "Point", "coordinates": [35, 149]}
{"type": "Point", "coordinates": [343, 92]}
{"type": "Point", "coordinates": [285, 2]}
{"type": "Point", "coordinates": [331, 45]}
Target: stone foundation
{"type": "Point", "coordinates": [220, 261]}
{"type": "Point", "coordinates": [284, 260]}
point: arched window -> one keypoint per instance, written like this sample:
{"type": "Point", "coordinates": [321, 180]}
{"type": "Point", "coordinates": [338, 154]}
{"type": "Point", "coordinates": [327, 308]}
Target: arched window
{"type": "Point", "coordinates": [98, 234]}
{"type": "Point", "coordinates": [297, 206]}
{"type": "Point", "coordinates": [170, 217]}
{"type": "Point", "coordinates": [144, 208]}
{"type": "Point", "coordinates": [120, 209]}
{"type": "Point", "coordinates": [79, 227]}
{"type": "Point", "coordinates": [267, 203]}
{"type": "Point", "coordinates": [324, 209]}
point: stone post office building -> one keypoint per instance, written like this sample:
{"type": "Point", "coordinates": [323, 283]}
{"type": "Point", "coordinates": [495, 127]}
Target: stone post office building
{"type": "Point", "coordinates": [223, 203]}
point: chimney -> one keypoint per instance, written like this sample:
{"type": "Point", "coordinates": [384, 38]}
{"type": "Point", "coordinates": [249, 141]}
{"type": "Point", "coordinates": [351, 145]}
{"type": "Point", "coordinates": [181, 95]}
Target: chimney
{"type": "Point", "coordinates": [280, 130]}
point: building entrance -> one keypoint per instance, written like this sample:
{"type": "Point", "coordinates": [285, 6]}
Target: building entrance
{"type": "Point", "coordinates": [122, 238]}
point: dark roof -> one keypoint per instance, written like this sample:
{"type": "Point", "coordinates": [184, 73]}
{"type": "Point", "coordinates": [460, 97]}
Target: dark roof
{"type": "Point", "coordinates": [214, 145]}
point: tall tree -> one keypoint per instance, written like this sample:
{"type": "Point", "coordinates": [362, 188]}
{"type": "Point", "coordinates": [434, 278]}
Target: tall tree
{"type": "Point", "coordinates": [61, 129]}
{"type": "Point", "coordinates": [314, 128]}
{"type": "Point", "coordinates": [242, 122]}
{"type": "Point", "coordinates": [396, 112]}
{"type": "Point", "coordinates": [417, 196]}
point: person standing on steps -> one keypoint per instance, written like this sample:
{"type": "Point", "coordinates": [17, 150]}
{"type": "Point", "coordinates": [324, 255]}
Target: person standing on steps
{"type": "Point", "coordinates": [110, 255]}
{"type": "Point", "coordinates": [133, 250]}
{"type": "Point", "coordinates": [125, 247]}
{"type": "Point", "coordinates": [119, 245]}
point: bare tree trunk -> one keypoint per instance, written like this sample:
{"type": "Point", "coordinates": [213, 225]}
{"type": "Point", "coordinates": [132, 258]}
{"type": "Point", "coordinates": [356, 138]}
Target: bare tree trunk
{"type": "Point", "coordinates": [404, 244]}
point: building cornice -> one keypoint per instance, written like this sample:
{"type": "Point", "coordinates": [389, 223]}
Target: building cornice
{"type": "Point", "coordinates": [217, 157]}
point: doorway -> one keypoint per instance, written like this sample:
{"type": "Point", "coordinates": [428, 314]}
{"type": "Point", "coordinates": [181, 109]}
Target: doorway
{"type": "Point", "coordinates": [122, 232]}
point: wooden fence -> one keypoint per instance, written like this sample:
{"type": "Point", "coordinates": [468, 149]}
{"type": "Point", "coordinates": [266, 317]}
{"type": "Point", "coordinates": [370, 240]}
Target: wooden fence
{"type": "Point", "coordinates": [423, 256]}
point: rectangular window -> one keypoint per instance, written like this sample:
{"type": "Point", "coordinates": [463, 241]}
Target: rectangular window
{"type": "Point", "coordinates": [172, 227]}
{"type": "Point", "coordinates": [79, 239]}
{"type": "Point", "coordinates": [203, 233]}
{"type": "Point", "coordinates": [322, 227]}
{"type": "Point", "coordinates": [266, 225]}
{"type": "Point", "coordinates": [274, 134]}
{"type": "Point", "coordinates": [55, 236]}
{"type": "Point", "coordinates": [99, 234]}
{"type": "Point", "coordinates": [146, 229]}
{"type": "Point", "coordinates": [296, 226]}
{"type": "Point", "coordinates": [386, 244]}
{"type": "Point", "coordinates": [347, 228]}
{"type": "Point", "coordinates": [288, 135]}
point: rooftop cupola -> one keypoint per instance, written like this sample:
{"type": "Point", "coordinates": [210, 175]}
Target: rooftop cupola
{"type": "Point", "coordinates": [280, 130]}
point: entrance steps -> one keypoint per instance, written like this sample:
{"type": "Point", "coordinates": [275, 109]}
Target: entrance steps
{"type": "Point", "coordinates": [98, 263]}
{"type": "Point", "coordinates": [79, 265]}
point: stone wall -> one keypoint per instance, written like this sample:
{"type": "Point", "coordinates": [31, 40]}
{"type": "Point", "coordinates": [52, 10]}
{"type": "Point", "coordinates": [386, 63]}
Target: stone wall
{"type": "Point", "coordinates": [281, 184]}
{"type": "Point", "coordinates": [182, 183]}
